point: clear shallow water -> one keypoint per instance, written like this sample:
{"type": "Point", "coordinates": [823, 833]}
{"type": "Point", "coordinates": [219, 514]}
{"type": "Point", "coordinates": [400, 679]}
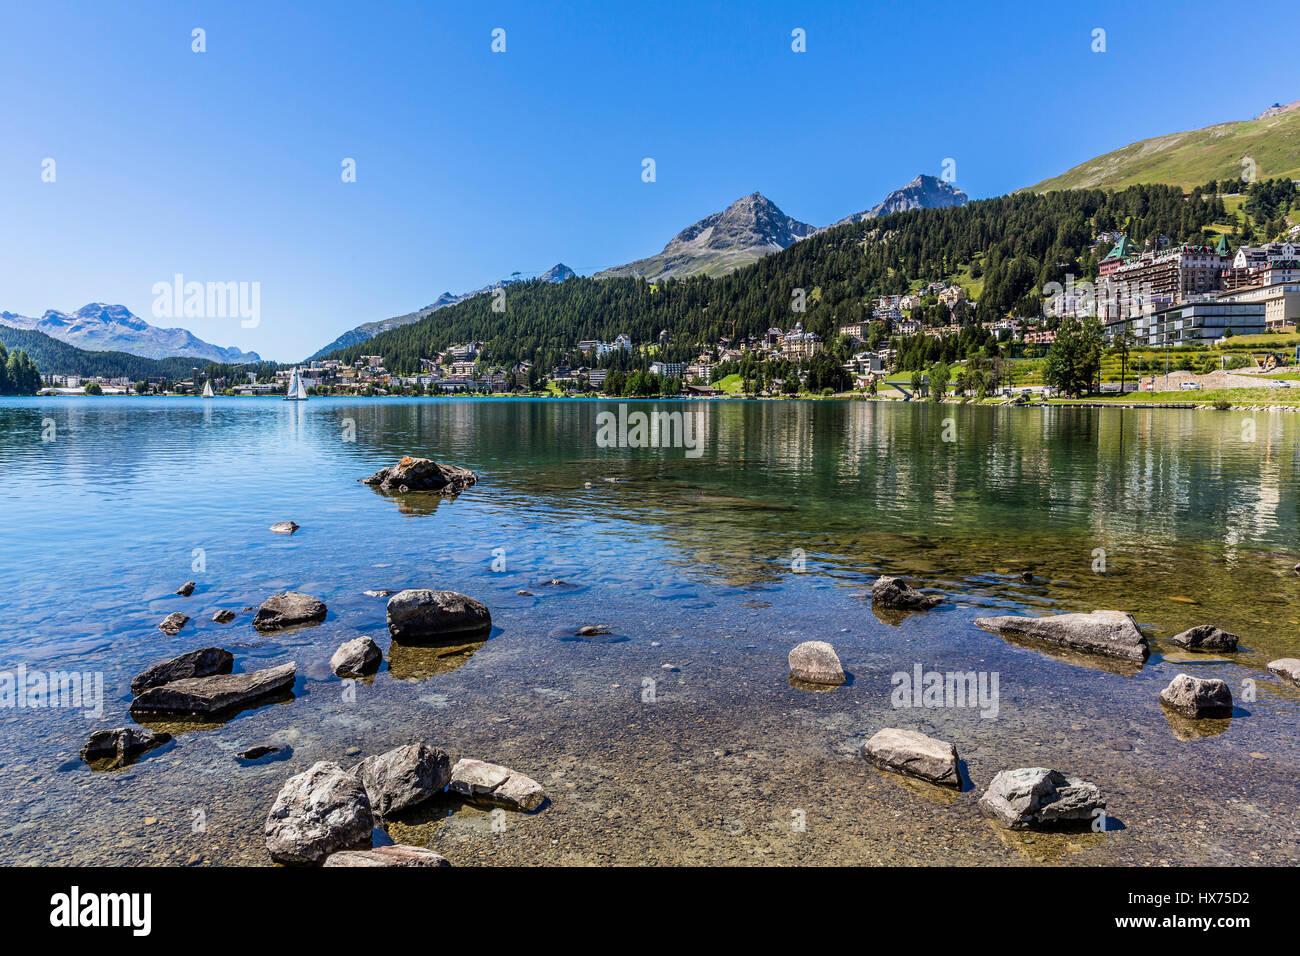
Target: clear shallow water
{"type": "Point", "coordinates": [689, 562]}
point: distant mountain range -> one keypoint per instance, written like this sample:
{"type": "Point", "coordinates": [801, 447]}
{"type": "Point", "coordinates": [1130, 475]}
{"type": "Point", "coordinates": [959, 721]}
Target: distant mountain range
{"type": "Point", "coordinates": [923, 192]}
{"type": "Point", "coordinates": [557, 273]}
{"type": "Point", "coordinates": [113, 328]}
{"type": "Point", "coordinates": [1271, 141]}
{"type": "Point", "coordinates": [53, 357]}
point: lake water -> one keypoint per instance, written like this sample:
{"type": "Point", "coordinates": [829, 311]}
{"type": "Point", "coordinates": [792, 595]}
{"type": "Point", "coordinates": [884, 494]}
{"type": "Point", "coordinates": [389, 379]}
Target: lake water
{"type": "Point", "coordinates": [678, 737]}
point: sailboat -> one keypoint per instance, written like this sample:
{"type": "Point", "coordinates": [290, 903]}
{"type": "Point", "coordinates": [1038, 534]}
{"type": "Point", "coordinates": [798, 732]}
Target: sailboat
{"type": "Point", "coordinates": [207, 389]}
{"type": "Point", "coordinates": [295, 392]}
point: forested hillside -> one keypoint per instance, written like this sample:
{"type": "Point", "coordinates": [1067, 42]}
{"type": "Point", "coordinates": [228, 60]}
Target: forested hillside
{"type": "Point", "coordinates": [58, 358]}
{"type": "Point", "coordinates": [1004, 249]}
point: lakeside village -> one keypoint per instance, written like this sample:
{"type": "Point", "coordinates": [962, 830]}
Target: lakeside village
{"type": "Point", "coordinates": [1231, 315]}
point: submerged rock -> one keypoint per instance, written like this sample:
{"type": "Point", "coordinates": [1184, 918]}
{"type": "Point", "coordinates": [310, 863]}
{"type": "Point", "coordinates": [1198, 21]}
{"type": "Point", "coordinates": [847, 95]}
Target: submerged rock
{"type": "Point", "coordinates": [1038, 798]}
{"type": "Point", "coordinates": [224, 616]}
{"type": "Point", "coordinates": [493, 785]}
{"type": "Point", "coordinates": [1197, 697]}
{"type": "Point", "coordinates": [1205, 637]}
{"type": "Point", "coordinates": [258, 751]}
{"type": "Point", "coordinates": [914, 755]}
{"type": "Point", "coordinates": [1111, 633]}
{"type": "Point", "coordinates": [356, 658]}
{"type": "Point", "coordinates": [895, 594]}
{"type": "Point", "coordinates": [201, 663]}
{"type": "Point", "coordinates": [1288, 667]}
{"type": "Point", "coordinates": [284, 527]}
{"type": "Point", "coordinates": [171, 625]}
{"type": "Point", "coordinates": [186, 589]}
{"type": "Point", "coordinates": [422, 474]}
{"type": "Point", "coordinates": [111, 749]}
{"type": "Point", "coordinates": [404, 777]}
{"type": "Point", "coordinates": [317, 813]}
{"type": "Point", "coordinates": [421, 615]}
{"type": "Point", "coordinates": [816, 662]}
{"type": "Point", "coordinates": [212, 696]}
{"type": "Point", "coordinates": [592, 630]}
{"type": "Point", "coordinates": [398, 854]}
{"type": "Point", "coordinates": [288, 609]}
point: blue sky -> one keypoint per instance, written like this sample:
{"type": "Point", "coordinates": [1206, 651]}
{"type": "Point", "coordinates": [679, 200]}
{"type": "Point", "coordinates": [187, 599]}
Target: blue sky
{"type": "Point", "coordinates": [225, 165]}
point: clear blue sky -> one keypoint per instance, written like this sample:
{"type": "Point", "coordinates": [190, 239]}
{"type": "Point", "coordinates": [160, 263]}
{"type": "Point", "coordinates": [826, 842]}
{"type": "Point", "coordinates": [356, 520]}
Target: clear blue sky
{"type": "Point", "coordinates": [225, 165]}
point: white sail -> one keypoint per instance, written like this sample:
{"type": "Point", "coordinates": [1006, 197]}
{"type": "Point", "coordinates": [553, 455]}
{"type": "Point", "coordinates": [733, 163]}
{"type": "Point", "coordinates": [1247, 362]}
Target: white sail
{"type": "Point", "coordinates": [302, 392]}
{"type": "Point", "coordinates": [207, 389]}
{"type": "Point", "coordinates": [296, 392]}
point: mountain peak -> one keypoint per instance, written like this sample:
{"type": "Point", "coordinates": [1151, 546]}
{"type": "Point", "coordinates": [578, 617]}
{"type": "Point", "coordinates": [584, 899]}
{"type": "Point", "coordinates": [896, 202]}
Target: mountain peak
{"type": "Point", "coordinates": [923, 192]}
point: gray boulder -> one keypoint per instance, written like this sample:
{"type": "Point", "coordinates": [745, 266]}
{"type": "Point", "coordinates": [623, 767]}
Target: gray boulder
{"type": "Point", "coordinates": [213, 696]}
{"type": "Point", "coordinates": [895, 594]}
{"type": "Point", "coordinates": [914, 755]}
{"type": "Point", "coordinates": [201, 663]}
{"type": "Point", "coordinates": [288, 609]}
{"type": "Point", "coordinates": [396, 855]}
{"type": "Point", "coordinates": [404, 777]}
{"type": "Point", "coordinates": [224, 616]}
{"type": "Point", "coordinates": [1197, 697]}
{"type": "Point", "coordinates": [1110, 633]}
{"type": "Point", "coordinates": [356, 658]}
{"type": "Point", "coordinates": [186, 589]}
{"type": "Point", "coordinates": [1038, 798]}
{"type": "Point", "coordinates": [317, 813]}
{"type": "Point", "coordinates": [415, 616]}
{"type": "Point", "coordinates": [1288, 667]}
{"type": "Point", "coordinates": [421, 474]}
{"type": "Point", "coordinates": [815, 662]}
{"type": "Point", "coordinates": [493, 785]}
{"type": "Point", "coordinates": [1205, 637]}
{"type": "Point", "coordinates": [284, 527]}
{"type": "Point", "coordinates": [171, 625]}
{"type": "Point", "coordinates": [111, 749]}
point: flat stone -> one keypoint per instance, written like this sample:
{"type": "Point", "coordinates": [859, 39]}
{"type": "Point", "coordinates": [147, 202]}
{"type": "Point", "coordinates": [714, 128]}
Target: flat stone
{"type": "Point", "coordinates": [288, 609]}
{"type": "Point", "coordinates": [420, 615]}
{"type": "Point", "coordinates": [284, 527]}
{"type": "Point", "coordinates": [257, 752]}
{"type": "Point", "coordinates": [171, 625]}
{"type": "Point", "coordinates": [224, 616]}
{"type": "Point", "coordinates": [210, 696]}
{"type": "Point", "coordinates": [1197, 697]}
{"type": "Point", "coordinates": [111, 749]}
{"type": "Point", "coordinates": [1109, 633]}
{"type": "Point", "coordinates": [1038, 798]}
{"type": "Point", "coordinates": [356, 658]}
{"type": "Point", "coordinates": [914, 755]}
{"type": "Point", "coordinates": [186, 589]}
{"type": "Point", "coordinates": [317, 813]}
{"type": "Point", "coordinates": [1288, 667]}
{"type": "Point", "coordinates": [201, 663]}
{"type": "Point", "coordinates": [396, 855]}
{"type": "Point", "coordinates": [404, 777]}
{"type": "Point", "coordinates": [493, 785]}
{"type": "Point", "coordinates": [816, 662]}
{"type": "Point", "coordinates": [897, 595]}
{"type": "Point", "coordinates": [1205, 637]}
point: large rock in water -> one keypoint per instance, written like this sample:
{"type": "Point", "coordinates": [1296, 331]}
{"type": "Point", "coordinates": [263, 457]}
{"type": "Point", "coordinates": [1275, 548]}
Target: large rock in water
{"type": "Point", "coordinates": [356, 658]}
{"type": "Point", "coordinates": [816, 662]}
{"type": "Point", "coordinates": [212, 696]}
{"type": "Point", "coordinates": [404, 777]}
{"type": "Point", "coordinates": [1197, 697]}
{"type": "Point", "coordinates": [422, 474]}
{"type": "Point", "coordinates": [416, 616]}
{"type": "Point", "coordinates": [201, 663]}
{"type": "Point", "coordinates": [1111, 633]}
{"type": "Point", "coordinates": [1205, 637]}
{"type": "Point", "coordinates": [112, 749]}
{"type": "Point", "coordinates": [287, 609]}
{"type": "Point", "coordinates": [399, 854]}
{"type": "Point", "coordinates": [318, 812]}
{"type": "Point", "coordinates": [897, 595]}
{"type": "Point", "coordinates": [1038, 798]}
{"type": "Point", "coordinates": [1288, 667]}
{"type": "Point", "coordinates": [914, 755]}
{"type": "Point", "coordinates": [496, 786]}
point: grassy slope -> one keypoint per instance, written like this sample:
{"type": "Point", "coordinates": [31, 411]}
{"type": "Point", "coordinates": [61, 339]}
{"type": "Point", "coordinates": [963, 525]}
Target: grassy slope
{"type": "Point", "coordinates": [1193, 158]}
